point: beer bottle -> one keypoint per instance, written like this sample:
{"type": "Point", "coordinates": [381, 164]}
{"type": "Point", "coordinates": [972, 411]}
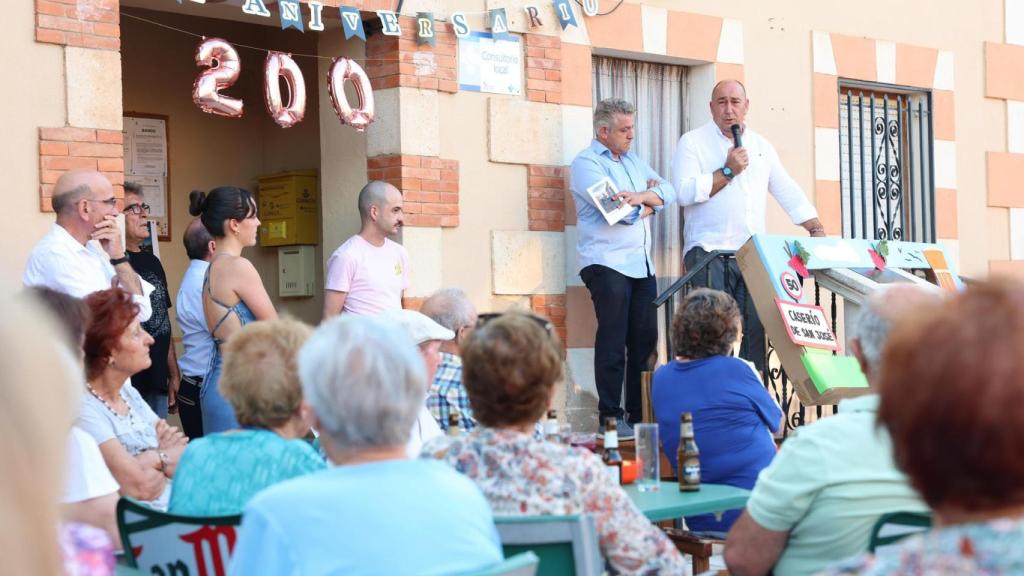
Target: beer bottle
{"type": "Point", "coordinates": [454, 430]}
{"type": "Point", "coordinates": [610, 455]}
{"type": "Point", "coordinates": [551, 427]}
{"type": "Point", "coordinates": [687, 456]}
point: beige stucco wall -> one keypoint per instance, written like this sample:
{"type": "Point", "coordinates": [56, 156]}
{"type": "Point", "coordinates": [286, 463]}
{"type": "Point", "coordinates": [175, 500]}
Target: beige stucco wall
{"type": "Point", "coordinates": [35, 97]}
{"type": "Point", "coordinates": [158, 72]}
{"type": "Point", "coordinates": [208, 150]}
{"type": "Point", "coordinates": [778, 73]}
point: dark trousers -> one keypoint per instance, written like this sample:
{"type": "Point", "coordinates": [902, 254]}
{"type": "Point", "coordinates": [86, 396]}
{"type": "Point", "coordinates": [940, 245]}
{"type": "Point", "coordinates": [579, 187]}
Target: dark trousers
{"type": "Point", "coordinates": [189, 409]}
{"type": "Point", "coordinates": [627, 332]}
{"type": "Point", "coordinates": [724, 274]}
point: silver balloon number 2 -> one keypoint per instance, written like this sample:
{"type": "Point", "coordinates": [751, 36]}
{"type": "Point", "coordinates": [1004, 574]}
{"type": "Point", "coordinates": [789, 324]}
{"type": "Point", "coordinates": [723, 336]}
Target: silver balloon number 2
{"type": "Point", "coordinates": [224, 66]}
{"type": "Point", "coordinates": [222, 72]}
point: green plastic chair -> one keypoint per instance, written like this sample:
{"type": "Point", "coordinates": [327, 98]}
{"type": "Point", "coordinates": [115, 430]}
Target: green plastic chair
{"type": "Point", "coordinates": [160, 543]}
{"type": "Point", "coordinates": [524, 564]}
{"type": "Point", "coordinates": [896, 526]}
{"type": "Point", "coordinates": [565, 545]}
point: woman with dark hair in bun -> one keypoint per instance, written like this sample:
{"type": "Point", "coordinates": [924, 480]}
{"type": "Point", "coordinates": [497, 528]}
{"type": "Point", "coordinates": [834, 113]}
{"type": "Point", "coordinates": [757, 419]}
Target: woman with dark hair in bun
{"type": "Point", "coordinates": [233, 293]}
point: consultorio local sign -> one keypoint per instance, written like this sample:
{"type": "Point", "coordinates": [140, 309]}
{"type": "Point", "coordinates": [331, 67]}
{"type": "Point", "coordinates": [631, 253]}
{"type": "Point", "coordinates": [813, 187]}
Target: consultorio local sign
{"type": "Point", "coordinates": [488, 64]}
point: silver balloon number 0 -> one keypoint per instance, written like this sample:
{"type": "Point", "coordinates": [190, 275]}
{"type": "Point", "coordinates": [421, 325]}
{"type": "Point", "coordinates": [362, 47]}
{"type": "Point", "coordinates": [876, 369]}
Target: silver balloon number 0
{"type": "Point", "coordinates": [280, 65]}
{"type": "Point", "coordinates": [222, 72]}
{"type": "Point", "coordinates": [343, 69]}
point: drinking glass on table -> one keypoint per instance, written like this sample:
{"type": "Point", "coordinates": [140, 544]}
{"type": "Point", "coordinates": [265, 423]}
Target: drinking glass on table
{"type": "Point", "coordinates": [648, 458]}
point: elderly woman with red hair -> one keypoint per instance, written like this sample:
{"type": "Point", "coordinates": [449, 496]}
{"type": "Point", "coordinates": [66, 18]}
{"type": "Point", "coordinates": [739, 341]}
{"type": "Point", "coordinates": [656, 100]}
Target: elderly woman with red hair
{"type": "Point", "coordinates": [140, 449]}
{"type": "Point", "coordinates": [952, 397]}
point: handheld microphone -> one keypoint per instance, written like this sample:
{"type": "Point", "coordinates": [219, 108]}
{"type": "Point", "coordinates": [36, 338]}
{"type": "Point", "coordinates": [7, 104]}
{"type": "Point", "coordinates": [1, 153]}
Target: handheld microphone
{"type": "Point", "coordinates": [736, 136]}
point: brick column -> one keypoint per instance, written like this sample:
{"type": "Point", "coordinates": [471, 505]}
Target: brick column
{"type": "Point", "coordinates": [63, 149]}
{"type": "Point", "coordinates": [430, 187]}
{"type": "Point", "coordinates": [394, 61]}
{"type": "Point", "coordinates": [552, 307]}
{"type": "Point", "coordinates": [88, 24]}
{"type": "Point", "coordinates": [90, 33]}
{"type": "Point", "coordinates": [543, 68]}
{"type": "Point", "coordinates": [546, 197]}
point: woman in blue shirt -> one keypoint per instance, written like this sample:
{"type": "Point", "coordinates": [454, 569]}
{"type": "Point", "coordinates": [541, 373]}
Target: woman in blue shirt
{"type": "Point", "coordinates": [219, 473]}
{"type": "Point", "coordinates": [733, 414]}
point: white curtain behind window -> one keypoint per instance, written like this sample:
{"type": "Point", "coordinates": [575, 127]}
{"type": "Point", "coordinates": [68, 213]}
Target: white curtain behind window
{"type": "Point", "coordinates": [657, 92]}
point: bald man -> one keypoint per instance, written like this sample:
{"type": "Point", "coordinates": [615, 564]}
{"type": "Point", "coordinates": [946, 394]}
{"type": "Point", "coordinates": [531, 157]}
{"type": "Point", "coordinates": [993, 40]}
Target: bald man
{"type": "Point", "coordinates": [84, 252]}
{"type": "Point", "coordinates": [822, 494]}
{"type": "Point", "coordinates": [724, 189]}
{"type": "Point", "coordinates": [367, 274]}
{"type": "Point", "coordinates": [195, 337]}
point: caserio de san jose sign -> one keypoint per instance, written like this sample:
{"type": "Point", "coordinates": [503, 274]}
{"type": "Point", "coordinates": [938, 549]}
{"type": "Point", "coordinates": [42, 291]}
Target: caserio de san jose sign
{"type": "Point", "coordinates": [807, 325]}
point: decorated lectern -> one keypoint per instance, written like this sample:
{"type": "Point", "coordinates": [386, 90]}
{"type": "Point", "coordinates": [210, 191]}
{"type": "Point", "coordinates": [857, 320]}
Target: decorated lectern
{"type": "Point", "coordinates": [776, 270]}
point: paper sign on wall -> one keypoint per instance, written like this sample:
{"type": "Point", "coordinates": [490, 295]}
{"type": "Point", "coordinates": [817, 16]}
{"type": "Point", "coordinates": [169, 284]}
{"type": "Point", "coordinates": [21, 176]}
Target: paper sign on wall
{"type": "Point", "coordinates": [490, 64]}
{"type": "Point", "coordinates": [807, 325]}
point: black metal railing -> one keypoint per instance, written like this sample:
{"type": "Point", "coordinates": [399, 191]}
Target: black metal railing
{"type": "Point", "coordinates": [773, 374]}
{"type": "Point", "coordinates": [886, 158]}
{"type": "Point", "coordinates": [666, 301]}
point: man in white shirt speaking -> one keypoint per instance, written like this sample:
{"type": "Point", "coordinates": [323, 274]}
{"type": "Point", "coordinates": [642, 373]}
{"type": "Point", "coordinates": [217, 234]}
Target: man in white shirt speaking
{"type": "Point", "coordinates": [723, 173]}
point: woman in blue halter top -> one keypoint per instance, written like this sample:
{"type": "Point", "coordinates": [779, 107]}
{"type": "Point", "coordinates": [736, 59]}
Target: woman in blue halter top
{"type": "Point", "coordinates": [233, 293]}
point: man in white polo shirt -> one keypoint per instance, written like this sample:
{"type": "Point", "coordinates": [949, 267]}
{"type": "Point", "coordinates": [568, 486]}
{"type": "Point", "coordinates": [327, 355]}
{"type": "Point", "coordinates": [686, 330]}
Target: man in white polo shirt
{"type": "Point", "coordinates": [84, 252]}
{"type": "Point", "coordinates": [723, 188]}
{"type": "Point", "coordinates": [367, 274]}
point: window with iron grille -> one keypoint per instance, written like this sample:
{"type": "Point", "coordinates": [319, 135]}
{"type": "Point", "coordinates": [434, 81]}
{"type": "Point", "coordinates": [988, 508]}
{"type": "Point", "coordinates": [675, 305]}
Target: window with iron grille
{"type": "Point", "coordinates": [886, 177]}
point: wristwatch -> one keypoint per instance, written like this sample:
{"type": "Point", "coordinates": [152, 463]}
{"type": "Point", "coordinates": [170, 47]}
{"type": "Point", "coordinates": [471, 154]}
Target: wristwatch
{"type": "Point", "coordinates": [727, 172]}
{"type": "Point", "coordinates": [121, 260]}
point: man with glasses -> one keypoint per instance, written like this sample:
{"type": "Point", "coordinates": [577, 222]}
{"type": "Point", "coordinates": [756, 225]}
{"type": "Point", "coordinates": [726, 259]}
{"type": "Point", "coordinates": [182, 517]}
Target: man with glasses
{"type": "Point", "coordinates": [83, 252]}
{"type": "Point", "coordinates": [614, 261]}
{"type": "Point", "coordinates": [157, 384]}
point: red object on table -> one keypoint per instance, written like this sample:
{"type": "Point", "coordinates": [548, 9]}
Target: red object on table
{"type": "Point", "coordinates": [629, 471]}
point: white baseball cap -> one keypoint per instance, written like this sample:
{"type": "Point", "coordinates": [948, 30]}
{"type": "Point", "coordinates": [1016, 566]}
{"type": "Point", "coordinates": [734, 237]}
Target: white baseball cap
{"type": "Point", "coordinates": [420, 327]}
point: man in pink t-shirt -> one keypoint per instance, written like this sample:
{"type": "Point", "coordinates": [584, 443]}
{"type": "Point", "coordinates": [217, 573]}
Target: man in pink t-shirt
{"type": "Point", "coordinates": [367, 274]}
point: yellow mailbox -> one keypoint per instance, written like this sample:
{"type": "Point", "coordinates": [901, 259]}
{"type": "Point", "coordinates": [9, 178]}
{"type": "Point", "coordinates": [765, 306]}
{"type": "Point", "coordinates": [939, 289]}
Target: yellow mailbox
{"type": "Point", "coordinates": [289, 209]}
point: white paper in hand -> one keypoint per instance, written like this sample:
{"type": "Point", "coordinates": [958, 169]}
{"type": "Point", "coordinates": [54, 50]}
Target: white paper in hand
{"type": "Point", "coordinates": [119, 218]}
{"type": "Point", "coordinates": [603, 194]}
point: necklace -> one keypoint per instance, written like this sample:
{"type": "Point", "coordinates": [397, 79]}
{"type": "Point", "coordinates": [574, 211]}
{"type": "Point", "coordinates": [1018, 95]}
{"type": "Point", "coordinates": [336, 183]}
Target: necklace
{"type": "Point", "coordinates": [107, 404]}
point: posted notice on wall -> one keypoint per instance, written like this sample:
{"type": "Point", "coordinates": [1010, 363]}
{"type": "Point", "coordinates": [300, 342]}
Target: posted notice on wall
{"type": "Point", "coordinates": [490, 65]}
{"type": "Point", "coordinates": [153, 192]}
{"type": "Point", "coordinates": [145, 146]}
{"type": "Point", "coordinates": [807, 325]}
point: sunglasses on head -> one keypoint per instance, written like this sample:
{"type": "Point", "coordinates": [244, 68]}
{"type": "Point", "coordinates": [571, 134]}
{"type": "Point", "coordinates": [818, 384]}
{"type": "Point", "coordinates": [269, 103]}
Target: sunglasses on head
{"type": "Point", "coordinates": [483, 319]}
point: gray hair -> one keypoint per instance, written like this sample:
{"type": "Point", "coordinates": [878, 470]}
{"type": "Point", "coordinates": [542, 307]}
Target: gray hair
{"type": "Point", "coordinates": [65, 201]}
{"type": "Point", "coordinates": [364, 380]}
{"type": "Point", "coordinates": [871, 330]}
{"type": "Point", "coordinates": [604, 114]}
{"type": "Point", "coordinates": [373, 194]}
{"type": "Point", "coordinates": [449, 307]}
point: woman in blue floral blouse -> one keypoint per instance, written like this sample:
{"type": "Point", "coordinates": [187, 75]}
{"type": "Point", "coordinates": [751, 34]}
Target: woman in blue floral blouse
{"type": "Point", "coordinates": [510, 367]}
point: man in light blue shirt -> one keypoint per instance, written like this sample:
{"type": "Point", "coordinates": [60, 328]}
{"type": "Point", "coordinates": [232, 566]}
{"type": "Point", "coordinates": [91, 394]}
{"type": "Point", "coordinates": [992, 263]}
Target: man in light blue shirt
{"type": "Point", "coordinates": [614, 260]}
{"type": "Point", "coordinates": [188, 305]}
